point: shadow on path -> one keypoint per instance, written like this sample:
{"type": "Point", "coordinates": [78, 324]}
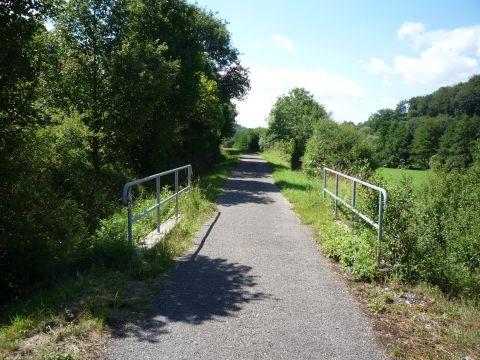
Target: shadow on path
{"type": "Point", "coordinates": [202, 288]}
{"type": "Point", "coordinates": [247, 185]}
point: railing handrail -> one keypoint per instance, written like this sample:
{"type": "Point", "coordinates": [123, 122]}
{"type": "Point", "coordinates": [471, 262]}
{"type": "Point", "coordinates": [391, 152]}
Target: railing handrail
{"type": "Point", "coordinates": [371, 186]}
{"type": "Point", "coordinates": [382, 201]}
{"type": "Point", "coordinates": [127, 199]}
{"type": "Point", "coordinates": [129, 184]}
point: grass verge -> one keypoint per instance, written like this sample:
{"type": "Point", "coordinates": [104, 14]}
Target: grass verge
{"type": "Point", "coordinates": [75, 319]}
{"type": "Point", "coordinates": [412, 322]}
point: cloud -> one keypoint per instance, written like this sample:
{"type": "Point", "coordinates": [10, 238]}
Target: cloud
{"type": "Point", "coordinates": [377, 66]}
{"type": "Point", "coordinates": [410, 31]}
{"type": "Point", "coordinates": [267, 84]}
{"type": "Point", "coordinates": [444, 56]}
{"type": "Point", "coordinates": [282, 42]}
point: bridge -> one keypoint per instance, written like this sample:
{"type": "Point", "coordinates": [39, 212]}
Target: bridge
{"type": "Point", "coordinates": [255, 286]}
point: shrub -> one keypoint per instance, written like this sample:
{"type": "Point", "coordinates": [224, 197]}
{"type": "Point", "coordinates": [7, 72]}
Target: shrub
{"type": "Point", "coordinates": [435, 237]}
{"type": "Point", "coordinates": [449, 232]}
{"type": "Point", "coordinates": [341, 147]}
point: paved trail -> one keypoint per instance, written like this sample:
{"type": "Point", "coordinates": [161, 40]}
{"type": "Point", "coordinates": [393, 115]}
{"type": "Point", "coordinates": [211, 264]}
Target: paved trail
{"type": "Point", "coordinates": [255, 287]}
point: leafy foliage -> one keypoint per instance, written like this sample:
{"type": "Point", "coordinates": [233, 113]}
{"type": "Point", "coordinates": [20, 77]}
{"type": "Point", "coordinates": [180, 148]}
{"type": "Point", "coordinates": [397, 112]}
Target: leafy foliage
{"type": "Point", "coordinates": [246, 139]}
{"type": "Point", "coordinates": [292, 120]}
{"type": "Point", "coordinates": [117, 90]}
{"type": "Point", "coordinates": [436, 130]}
{"type": "Point", "coordinates": [341, 147]}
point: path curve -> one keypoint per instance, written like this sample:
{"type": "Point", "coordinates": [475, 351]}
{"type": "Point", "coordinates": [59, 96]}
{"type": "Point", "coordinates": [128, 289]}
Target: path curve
{"type": "Point", "coordinates": [255, 287]}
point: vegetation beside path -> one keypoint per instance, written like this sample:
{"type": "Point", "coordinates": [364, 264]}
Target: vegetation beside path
{"type": "Point", "coordinates": [413, 321]}
{"type": "Point", "coordinates": [75, 319]}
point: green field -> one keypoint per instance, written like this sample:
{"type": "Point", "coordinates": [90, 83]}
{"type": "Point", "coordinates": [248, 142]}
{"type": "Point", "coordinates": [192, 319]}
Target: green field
{"type": "Point", "coordinates": [395, 176]}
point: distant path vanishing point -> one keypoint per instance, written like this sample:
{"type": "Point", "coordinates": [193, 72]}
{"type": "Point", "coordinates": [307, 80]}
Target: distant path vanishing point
{"type": "Point", "coordinates": [255, 287]}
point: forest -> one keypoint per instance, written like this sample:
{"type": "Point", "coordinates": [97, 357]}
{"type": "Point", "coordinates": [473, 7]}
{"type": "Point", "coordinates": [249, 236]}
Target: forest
{"type": "Point", "coordinates": [439, 130]}
{"type": "Point", "coordinates": [93, 93]}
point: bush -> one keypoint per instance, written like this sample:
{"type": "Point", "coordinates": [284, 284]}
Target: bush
{"type": "Point", "coordinates": [53, 205]}
{"type": "Point", "coordinates": [435, 237]}
{"type": "Point", "coordinates": [44, 228]}
{"type": "Point", "coordinates": [449, 232]}
{"type": "Point", "coordinates": [341, 147]}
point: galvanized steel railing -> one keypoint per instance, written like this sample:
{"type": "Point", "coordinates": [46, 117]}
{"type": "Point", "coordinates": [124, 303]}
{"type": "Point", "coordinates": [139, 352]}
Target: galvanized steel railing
{"type": "Point", "coordinates": [127, 197]}
{"type": "Point", "coordinates": [382, 201]}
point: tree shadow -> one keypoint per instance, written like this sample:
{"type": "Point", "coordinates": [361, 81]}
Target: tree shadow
{"type": "Point", "coordinates": [244, 191]}
{"type": "Point", "coordinates": [248, 183]}
{"type": "Point", "coordinates": [201, 289]}
{"type": "Point", "coordinates": [282, 184]}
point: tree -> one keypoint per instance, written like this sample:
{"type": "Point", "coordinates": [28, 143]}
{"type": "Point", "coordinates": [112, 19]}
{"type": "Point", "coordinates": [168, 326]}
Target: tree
{"type": "Point", "coordinates": [90, 33]}
{"type": "Point", "coordinates": [458, 143]}
{"type": "Point", "coordinates": [20, 21]}
{"type": "Point", "coordinates": [293, 118]}
{"type": "Point", "coordinates": [467, 98]}
{"type": "Point", "coordinates": [426, 141]}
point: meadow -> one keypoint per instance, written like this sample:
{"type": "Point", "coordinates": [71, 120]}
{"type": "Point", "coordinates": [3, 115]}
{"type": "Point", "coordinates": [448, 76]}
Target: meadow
{"type": "Point", "coordinates": [419, 178]}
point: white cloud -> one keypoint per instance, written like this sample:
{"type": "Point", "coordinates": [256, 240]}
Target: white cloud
{"type": "Point", "coordinates": [377, 66]}
{"type": "Point", "coordinates": [444, 56]}
{"type": "Point", "coordinates": [410, 31]}
{"type": "Point", "coordinates": [282, 42]}
{"type": "Point", "coordinates": [267, 84]}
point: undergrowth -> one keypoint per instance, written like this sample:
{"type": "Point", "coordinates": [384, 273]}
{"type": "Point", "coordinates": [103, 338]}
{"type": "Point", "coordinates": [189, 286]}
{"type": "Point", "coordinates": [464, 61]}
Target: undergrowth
{"type": "Point", "coordinates": [73, 319]}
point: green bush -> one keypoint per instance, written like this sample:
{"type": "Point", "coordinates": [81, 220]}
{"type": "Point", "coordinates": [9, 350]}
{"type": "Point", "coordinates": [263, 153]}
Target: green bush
{"type": "Point", "coordinates": [53, 205]}
{"type": "Point", "coordinates": [435, 237]}
{"type": "Point", "coordinates": [341, 147]}
{"type": "Point", "coordinates": [356, 252]}
{"type": "Point", "coordinates": [449, 232]}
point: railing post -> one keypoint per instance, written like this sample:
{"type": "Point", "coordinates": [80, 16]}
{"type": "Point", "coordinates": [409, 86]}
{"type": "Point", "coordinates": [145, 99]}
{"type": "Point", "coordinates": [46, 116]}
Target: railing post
{"type": "Point", "coordinates": [336, 194]}
{"type": "Point", "coordinates": [129, 211]}
{"type": "Point", "coordinates": [157, 180]}
{"type": "Point", "coordinates": [354, 192]}
{"type": "Point", "coordinates": [324, 181]}
{"type": "Point", "coordinates": [189, 169]}
{"type": "Point", "coordinates": [354, 197]}
{"type": "Point", "coordinates": [380, 223]}
{"type": "Point", "coordinates": [176, 194]}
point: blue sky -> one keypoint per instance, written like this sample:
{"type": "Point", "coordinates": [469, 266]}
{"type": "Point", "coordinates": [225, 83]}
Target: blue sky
{"type": "Point", "coordinates": [355, 57]}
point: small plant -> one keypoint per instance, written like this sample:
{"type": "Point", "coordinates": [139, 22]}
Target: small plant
{"type": "Point", "coordinates": [378, 304]}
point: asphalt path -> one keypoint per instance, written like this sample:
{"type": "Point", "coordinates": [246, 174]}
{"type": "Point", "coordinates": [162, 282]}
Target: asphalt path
{"type": "Point", "coordinates": [254, 287]}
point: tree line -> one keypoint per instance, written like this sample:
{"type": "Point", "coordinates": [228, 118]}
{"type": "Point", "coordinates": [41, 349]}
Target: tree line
{"type": "Point", "coordinates": [441, 129]}
{"type": "Point", "coordinates": [116, 89]}
{"type": "Point", "coordinates": [438, 131]}
{"type": "Point", "coordinates": [306, 135]}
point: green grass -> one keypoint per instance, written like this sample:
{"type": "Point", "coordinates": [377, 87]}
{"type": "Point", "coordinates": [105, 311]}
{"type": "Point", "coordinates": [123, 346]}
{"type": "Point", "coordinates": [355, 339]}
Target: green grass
{"type": "Point", "coordinates": [419, 178]}
{"type": "Point", "coordinates": [74, 319]}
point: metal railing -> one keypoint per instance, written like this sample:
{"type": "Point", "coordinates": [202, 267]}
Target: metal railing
{"type": "Point", "coordinates": [382, 202]}
{"type": "Point", "coordinates": [127, 197]}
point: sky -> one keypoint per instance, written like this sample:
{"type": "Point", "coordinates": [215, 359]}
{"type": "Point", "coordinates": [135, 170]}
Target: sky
{"type": "Point", "coordinates": [355, 57]}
